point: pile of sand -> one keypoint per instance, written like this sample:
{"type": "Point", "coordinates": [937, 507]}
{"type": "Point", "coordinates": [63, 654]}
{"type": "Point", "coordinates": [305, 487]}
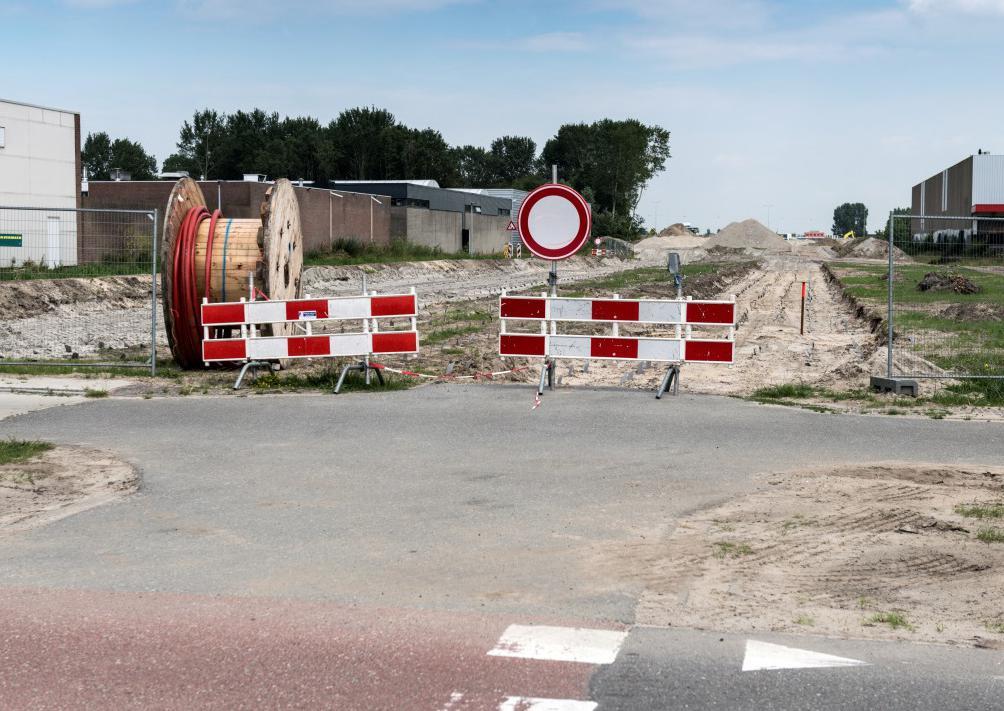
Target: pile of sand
{"type": "Point", "coordinates": [656, 248]}
{"type": "Point", "coordinates": [750, 235]}
{"type": "Point", "coordinates": [872, 248]}
{"type": "Point", "coordinates": [676, 230]}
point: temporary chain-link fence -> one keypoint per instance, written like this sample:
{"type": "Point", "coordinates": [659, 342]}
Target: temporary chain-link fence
{"type": "Point", "coordinates": [78, 287]}
{"type": "Point", "coordinates": [946, 300]}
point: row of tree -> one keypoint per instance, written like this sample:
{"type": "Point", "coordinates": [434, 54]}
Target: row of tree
{"type": "Point", "coordinates": [610, 162]}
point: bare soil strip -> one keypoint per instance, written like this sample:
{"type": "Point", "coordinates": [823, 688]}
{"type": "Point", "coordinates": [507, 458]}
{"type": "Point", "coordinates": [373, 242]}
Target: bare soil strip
{"type": "Point", "coordinates": [59, 483]}
{"type": "Point", "coordinates": [876, 551]}
{"type": "Point", "coordinates": [836, 349]}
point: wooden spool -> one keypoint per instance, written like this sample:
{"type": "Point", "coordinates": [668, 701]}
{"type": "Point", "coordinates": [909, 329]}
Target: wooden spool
{"type": "Point", "coordinates": [270, 248]}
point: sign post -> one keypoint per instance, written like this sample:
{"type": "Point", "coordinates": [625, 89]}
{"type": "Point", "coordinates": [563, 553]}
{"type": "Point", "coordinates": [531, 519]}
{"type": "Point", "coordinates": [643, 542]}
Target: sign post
{"type": "Point", "coordinates": [554, 224]}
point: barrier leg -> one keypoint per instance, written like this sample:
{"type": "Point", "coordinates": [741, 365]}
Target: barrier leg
{"type": "Point", "coordinates": [379, 375]}
{"type": "Point", "coordinates": [543, 376]}
{"type": "Point", "coordinates": [550, 375]}
{"type": "Point", "coordinates": [252, 365]}
{"type": "Point", "coordinates": [345, 370]}
{"type": "Point", "coordinates": [670, 380]}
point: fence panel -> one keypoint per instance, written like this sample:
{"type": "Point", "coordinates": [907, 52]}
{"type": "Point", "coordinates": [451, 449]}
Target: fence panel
{"type": "Point", "coordinates": [78, 287]}
{"type": "Point", "coordinates": [946, 299]}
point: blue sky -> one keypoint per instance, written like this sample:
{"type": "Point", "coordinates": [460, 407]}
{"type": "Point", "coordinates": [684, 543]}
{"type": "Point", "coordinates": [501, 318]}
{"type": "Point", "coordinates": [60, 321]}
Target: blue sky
{"type": "Point", "coordinates": [797, 105]}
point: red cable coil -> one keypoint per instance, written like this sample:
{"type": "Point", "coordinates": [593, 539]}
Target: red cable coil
{"type": "Point", "coordinates": [185, 302]}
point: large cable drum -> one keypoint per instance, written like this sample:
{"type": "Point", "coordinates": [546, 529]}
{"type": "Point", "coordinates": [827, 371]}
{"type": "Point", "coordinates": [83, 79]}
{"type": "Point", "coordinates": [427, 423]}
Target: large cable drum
{"type": "Point", "coordinates": [206, 255]}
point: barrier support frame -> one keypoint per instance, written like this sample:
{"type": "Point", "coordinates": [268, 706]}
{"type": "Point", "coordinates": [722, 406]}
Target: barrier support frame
{"type": "Point", "coordinates": [671, 380]}
{"type": "Point", "coordinates": [362, 366]}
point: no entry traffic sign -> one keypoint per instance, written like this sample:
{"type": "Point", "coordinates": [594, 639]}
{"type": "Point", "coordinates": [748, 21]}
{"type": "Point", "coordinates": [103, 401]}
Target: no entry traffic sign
{"type": "Point", "coordinates": [554, 221]}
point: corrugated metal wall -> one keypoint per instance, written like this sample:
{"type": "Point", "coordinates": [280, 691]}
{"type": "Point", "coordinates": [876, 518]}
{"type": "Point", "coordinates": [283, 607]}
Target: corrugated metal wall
{"type": "Point", "coordinates": [988, 180]}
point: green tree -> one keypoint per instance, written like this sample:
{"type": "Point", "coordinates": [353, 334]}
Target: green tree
{"type": "Point", "coordinates": [100, 155]}
{"type": "Point", "coordinates": [474, 166]}
{"type": "Point", "coordinates": [96, 155]}
{"type": "Point", "coordinates": [360, 136]}
{"type": "Point", "coordinates": [903, 237]}
{"type": "Point", "coordinates": [200, 145]}
{"type": "Point", "coordinates": [850, 216]}
{"type": "Point", "coordinates": [419, 154]}
{"type": "Point", "coordinates": [610, 162]}
{"type": "Point", "coordinates": [512, 158]}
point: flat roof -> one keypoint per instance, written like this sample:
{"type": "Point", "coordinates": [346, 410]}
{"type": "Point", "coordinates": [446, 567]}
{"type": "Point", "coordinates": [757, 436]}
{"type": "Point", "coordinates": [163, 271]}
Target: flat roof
{"type": "Point", "coordinates": [38, 106]}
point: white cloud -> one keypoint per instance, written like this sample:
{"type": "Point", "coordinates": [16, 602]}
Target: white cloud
{"type": "Point", "coordinates": [97, 4]}
{"type": "Point", "coordinates": [267, 9]}
{"type": "Point", "coordinates": [555, 42]}
{"type": "Point", "coordinates": [720, 14]}
{"type": "Point", "coordinates": [969, 7]}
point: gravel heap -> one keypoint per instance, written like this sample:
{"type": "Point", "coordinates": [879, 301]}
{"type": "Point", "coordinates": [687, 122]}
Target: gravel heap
{"type": "Point", "coordinates": [749, 234]}
{"type": "Point", "coordinates": [875, 248]}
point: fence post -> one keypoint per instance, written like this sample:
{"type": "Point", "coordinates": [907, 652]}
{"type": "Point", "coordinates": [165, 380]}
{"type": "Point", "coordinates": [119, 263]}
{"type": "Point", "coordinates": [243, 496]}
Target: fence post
{"type": "Point", "coordinates": [891, 235]}
{"type": "Point", "coordinates": [153, 295]}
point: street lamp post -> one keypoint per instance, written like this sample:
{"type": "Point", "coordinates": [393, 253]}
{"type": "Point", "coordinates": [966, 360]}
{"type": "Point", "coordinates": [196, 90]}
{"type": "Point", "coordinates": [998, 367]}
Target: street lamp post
{"type": "Point", "coordinates": [331, 234]}
{"type": "Point", "coordinates": [768, 206]}
{"type": "Point", "coordinates": [372, 200]}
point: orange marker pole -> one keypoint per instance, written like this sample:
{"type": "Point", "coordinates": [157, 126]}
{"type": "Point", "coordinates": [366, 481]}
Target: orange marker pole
{"type": "Point", "coordinates": [802, 327]}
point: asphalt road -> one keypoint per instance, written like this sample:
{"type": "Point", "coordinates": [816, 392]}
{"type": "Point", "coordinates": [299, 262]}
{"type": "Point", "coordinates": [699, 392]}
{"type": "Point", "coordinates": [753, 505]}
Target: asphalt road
{"type": "Point", "coordinates": [369, 511]}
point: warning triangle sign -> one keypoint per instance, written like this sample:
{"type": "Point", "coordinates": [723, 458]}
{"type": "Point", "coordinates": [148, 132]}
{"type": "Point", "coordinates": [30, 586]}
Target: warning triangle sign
{"type": "Point", "coordinates": [512, 226]}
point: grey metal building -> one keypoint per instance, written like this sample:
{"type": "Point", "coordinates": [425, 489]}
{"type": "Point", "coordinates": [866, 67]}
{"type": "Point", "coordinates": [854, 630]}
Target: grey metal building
{"type": "Point", "coordinates": [452, 220]}
{"type": "Point", "coordinates": [973, 187]}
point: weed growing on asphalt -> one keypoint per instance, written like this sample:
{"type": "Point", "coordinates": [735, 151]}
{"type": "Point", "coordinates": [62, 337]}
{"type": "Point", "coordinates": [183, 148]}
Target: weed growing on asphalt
{"type": "Point", "coordinates": [19, 450]}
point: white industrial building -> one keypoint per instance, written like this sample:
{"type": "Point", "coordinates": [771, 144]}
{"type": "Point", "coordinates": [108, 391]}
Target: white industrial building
{"type": "Point", "coordinates": [39, 167]}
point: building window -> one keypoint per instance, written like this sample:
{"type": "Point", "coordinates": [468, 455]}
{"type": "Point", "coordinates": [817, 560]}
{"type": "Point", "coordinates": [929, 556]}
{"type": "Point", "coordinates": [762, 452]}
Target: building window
{"type": "Point", "coordinates": [3, 137]}
{"type": "Point", "coordinates": [504, 212]}
{"type": "Point", "coordinates": [409, 202]}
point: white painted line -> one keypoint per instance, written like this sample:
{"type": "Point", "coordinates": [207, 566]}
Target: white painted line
{"type": "Point", "coordinates": [560, 644]}
{"type": "Point", "coordinates": [523, 703]}
{"type": "Point", "coordinates": [763, 655]}
{"type": "Point", "coordinates": [455, 698]}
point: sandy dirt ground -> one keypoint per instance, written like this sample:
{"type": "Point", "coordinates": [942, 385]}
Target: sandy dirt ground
{"type": "Point", "coordinates": [834, 552]}
{"type": "Point", "coordinates": [60, 483]}
{"type": "Point", "coordinates": [834, 351]}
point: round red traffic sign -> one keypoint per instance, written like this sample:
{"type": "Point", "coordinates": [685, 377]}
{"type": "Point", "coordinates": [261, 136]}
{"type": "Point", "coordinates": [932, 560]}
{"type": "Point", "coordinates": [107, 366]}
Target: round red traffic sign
{"type": "Point", "coordinates": [554, 221]}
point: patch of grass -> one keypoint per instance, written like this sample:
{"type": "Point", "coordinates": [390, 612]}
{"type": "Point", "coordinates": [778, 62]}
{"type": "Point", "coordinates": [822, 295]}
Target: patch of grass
{"type": "Point", "coordinates": [35, 271]}
{"type": "Point", "coordinates": [327, 379]}
{"type": "Point", "coordinates": [895, 620]}
{"type": "Point", "coordinates": [464, 316]}
{"type": "Point", "coordinates": [894, 411]}
{"type": "Point", "coordinates": [446, 334]}
{"type": "Point", "coordinates": [350, 251]}
{"type": "Point", "coordinates": [990, 535]}
{"type": "Point", "coordinates": [804, 620]}
{"type": "Point", "coordinates": [980, 510]}
{"type": "Point", "coordinates": [725, 549]}
{"type": "Point", "coordinates": [796, 521]}
{"type": "Point", "coordinates": [995, 626]}
{"type": "Point", "coordinates": [67, 367]}
{"type": "Point", "coordinates": [864, 602]}
{"type": "Point", "coordinates": [94, 393]}
{"type": "Point", "coordinates": [781, 392]}
{"type": "Point", "coordinates": [19, 450]}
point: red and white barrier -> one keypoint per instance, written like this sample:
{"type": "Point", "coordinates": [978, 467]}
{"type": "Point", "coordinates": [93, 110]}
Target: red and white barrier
{"type": "Point", "coordinates": [664, 350]}
{"type": "Point", "coordinates": [680, 313]}
{"type": "Point", "coordinates": [247, 316]}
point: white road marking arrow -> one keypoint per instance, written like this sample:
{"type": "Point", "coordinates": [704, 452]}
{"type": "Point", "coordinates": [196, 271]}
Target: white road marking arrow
{"type": "Point", "coordinates": [763, 655]}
